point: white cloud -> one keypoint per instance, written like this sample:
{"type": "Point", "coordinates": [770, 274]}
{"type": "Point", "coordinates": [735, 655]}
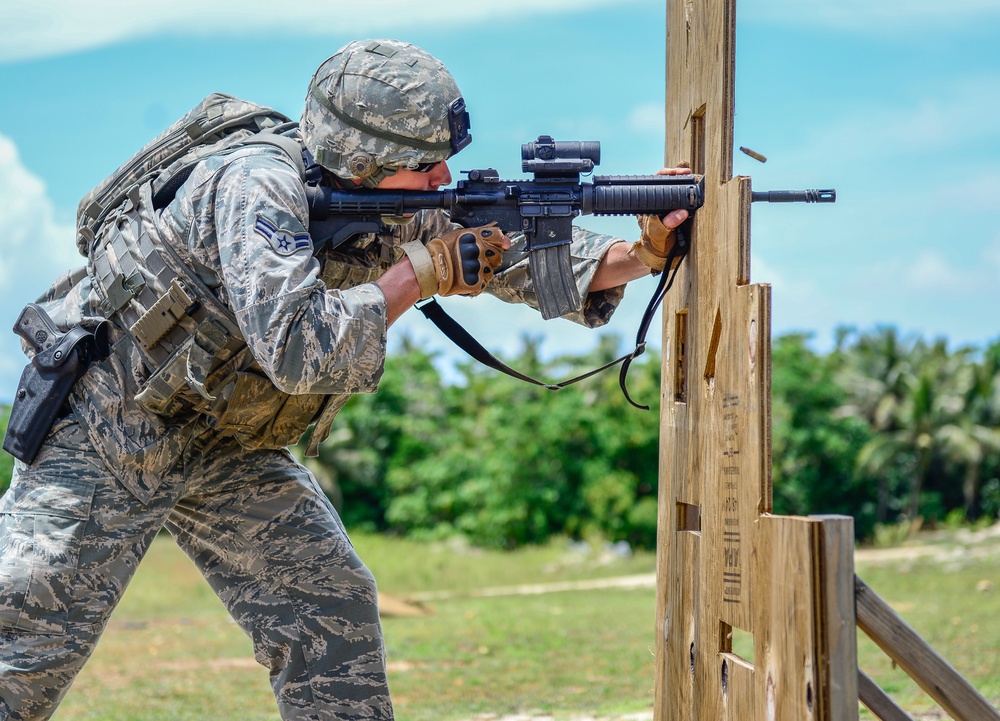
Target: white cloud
{"type": "Point", "coordinates": [32, 238]}
{"type": "Point", "coordinates": [930, 272]}
{"type": "Point", "coordinates": [964, 279]}
{"type": "Point", "coordinates": [34, 250]}
{"type": "Point", "coordinates": [55, 27]}
{"type": "Point", "coordinates": [931, 125]}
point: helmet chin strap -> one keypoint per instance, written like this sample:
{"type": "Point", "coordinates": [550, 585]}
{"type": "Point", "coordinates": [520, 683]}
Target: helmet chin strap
{"type": "Point", "coordinates": [376, 177]}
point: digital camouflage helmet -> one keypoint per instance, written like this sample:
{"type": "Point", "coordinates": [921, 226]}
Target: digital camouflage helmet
{"type": "Point", "coordinates": [381, 105]}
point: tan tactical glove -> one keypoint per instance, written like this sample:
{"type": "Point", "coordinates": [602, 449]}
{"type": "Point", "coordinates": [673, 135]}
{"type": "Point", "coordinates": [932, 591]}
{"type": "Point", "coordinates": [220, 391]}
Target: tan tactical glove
{"type": "Point", "coordinates": [460, 262]}
{"type": "Point", "coordinates": [655, 242]}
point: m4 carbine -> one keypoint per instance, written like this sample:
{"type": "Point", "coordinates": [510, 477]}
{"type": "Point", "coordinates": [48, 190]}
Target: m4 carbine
{"type": "Point", "coordinates": [542, 208]}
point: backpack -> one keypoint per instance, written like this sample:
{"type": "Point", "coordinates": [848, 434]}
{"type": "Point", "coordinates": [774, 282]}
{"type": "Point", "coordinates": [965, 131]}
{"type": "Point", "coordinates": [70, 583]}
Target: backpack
{"type": "Point", "coordinates": [184, 344]}
{"type": "Point", "coordinates": [217, 122]}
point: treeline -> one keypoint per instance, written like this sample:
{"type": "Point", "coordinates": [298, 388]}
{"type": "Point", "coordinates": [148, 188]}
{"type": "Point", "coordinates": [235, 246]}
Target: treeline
{"type": "Point", "coordinates": [886, 428]}
{"type": "Point", "coordinates": [883, 427]}
{"type": "Point", "coordinates": [497, 460]}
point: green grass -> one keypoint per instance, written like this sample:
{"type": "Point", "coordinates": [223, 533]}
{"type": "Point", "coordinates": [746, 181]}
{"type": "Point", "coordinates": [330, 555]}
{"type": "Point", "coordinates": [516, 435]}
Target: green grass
{"type": "Point", "coordinates": [171, 651]}
{"type": "Point", "coordinates": [403, 566]}
{"type": "Point", "coordinates": [568, 652]}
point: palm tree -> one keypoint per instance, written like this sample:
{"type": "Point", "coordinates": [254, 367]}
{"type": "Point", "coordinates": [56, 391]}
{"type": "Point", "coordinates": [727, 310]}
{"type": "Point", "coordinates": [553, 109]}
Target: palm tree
{"type": "Point", "coordinates": [979, 429]}
{"type": "Point", "coordinates": [877, 373]}
{"type": "Point", "coordinates": [931, 422]}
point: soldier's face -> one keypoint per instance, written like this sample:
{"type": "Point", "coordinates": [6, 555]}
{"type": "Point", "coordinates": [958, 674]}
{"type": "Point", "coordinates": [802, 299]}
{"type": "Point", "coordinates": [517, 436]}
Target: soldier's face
{"type": "Point", "coordinates": [432, 179]}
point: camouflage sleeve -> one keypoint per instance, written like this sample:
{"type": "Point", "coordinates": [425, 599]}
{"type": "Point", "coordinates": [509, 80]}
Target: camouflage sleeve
{"type": "Point", "coordinates": [514, 284]}
{"type": "Point", "coordinates": [307, 338]}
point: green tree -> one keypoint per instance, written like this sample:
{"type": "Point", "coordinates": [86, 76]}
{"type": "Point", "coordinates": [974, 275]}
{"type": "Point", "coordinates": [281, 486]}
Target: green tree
{"type": "Point", "coordinates": [507, 463]}
{"type": "Point", "coordinates": [875, 371]}
{"type": "Point", "coordinates": [978, 439]}
{"type": "Point", "coordinates": [620, 483]}
{"type": "Point", "coordinates": [376, 431]}
{"type": "Point", "coordinates": [930, 429]}
{"type": "Point", "coordinates": [6, 460]}
{"type": "Point", "coordinates": [496, 469]}
{"type": "Point", "coordinates": [815, 445]}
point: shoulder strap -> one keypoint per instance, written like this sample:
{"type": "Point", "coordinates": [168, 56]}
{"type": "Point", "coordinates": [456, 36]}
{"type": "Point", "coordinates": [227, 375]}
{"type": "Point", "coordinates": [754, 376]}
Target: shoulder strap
{"type": "Point", "coordinates": [291, 146]}
{"type": "Point", "coordinates": [166, 186]}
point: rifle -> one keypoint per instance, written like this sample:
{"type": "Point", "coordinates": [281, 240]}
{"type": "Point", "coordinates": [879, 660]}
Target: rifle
{"type": "Point", "coordinates": [542, 209]}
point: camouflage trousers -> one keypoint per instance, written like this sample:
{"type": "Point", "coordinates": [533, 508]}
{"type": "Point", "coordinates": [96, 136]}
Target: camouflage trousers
{"type": "Point", "coordinates": [258, 528]}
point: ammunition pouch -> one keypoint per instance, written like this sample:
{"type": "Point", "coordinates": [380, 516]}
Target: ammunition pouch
{"type": "Point", "coordinates": [250, 409]}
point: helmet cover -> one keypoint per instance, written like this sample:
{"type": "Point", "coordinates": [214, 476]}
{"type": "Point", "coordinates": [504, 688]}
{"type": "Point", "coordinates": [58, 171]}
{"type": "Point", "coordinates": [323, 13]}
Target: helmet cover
{"type": "Point", "coordinates": [380, 105]}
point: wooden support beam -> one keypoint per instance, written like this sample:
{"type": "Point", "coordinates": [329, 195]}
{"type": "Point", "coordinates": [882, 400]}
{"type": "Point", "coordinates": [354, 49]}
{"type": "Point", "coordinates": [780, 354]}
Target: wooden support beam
{"type": "Point", "coordinates": [878, 701]}
{"type": "Point", "coordinates": [918, 659]}
{"type": "Point", "coordinates": [838, 634]}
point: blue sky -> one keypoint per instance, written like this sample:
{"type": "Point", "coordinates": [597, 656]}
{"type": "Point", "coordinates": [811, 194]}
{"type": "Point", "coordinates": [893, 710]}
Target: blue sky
{"type": "Point", "coordinates": [895, 103]}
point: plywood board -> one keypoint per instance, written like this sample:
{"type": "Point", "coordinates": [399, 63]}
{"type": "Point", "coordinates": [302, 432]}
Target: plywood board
{"type": "Point", "coordinates": [724, 563]}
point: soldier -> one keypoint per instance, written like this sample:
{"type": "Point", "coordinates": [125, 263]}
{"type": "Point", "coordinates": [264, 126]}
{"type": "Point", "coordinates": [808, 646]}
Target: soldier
{"type": "Point", "coordinates": [185, 425]}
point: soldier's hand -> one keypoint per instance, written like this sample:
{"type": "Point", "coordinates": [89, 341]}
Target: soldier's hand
{"type": "Point", "coordinates": [656, 234]}
{"type": "Point", "coordinates": [460, 262]}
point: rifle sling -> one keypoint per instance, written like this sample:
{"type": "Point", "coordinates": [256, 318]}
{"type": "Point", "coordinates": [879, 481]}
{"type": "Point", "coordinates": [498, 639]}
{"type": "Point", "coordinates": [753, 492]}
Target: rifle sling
{"type": "Point", "coordinates": [666, 280]}
{"type": "Point", "coordinates": [451, 328]}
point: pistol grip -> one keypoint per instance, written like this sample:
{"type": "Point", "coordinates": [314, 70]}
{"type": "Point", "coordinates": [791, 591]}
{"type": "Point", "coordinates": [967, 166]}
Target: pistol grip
{"type": "Point", "coordinates": [35, 326]}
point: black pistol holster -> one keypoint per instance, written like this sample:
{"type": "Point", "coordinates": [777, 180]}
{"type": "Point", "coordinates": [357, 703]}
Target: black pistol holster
{"type": "Point", "coordinates": [60, 360]}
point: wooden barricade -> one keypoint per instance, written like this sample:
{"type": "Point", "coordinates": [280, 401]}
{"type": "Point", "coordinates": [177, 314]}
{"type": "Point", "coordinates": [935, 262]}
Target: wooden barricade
{"type": "Point", "coordinates": [727, 567]}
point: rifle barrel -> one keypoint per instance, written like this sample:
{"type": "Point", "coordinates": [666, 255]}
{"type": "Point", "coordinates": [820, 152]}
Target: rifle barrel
{"type": "Point", "coordinates": [794, 196]}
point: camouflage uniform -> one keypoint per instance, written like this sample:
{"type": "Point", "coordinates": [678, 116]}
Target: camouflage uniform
{"type": "Point", "coordinates": [76, 523]}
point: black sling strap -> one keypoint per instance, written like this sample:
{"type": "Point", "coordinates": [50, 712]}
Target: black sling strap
{"type": "Point", "coordinates": [433, 311]}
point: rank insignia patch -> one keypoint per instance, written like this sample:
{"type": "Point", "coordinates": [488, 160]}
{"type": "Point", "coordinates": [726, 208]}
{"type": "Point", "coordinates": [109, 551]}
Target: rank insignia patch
{"type": "Point", "coordinates": [284, 242]}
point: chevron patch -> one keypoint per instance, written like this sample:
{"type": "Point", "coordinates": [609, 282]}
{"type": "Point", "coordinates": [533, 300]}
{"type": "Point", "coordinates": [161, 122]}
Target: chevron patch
{"type": "Point", "coordinates": [284, 242]}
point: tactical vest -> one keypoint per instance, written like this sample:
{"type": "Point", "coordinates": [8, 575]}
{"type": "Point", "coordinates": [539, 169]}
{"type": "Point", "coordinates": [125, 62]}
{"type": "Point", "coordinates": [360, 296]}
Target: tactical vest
{"type": "Point", "coordinates": [196, 359]}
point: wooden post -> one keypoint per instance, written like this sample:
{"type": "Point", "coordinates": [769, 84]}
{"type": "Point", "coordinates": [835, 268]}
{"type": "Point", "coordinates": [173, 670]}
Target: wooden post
{"type": "Point", "coordinates": [726, 565]}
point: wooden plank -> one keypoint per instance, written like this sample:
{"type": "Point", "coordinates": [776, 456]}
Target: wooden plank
{"type": "Point", "coordinates": [878, 701]}
{"type": "Point", "coordinates": [674, 696]}
{"type": "Point", "coordinates": [730, 397]}
{"type": "Point", "coordinates": [787, 619]}
{"type": "Point", "coordinates": [761, 359]}
{"type": "Point", "coordinates": [715, 475]}
{"type": "Point", "coordinates": [733, 401]}
{"type": "Point", "coordinates": [738, 687]}
{"type": "Point", "coordinates": [837, 635]}
{"type": "Point", "coordinates": [805, 618]}
{"type": "Point", "coordinates": [678, 544]}
{"type": "Point", "coordinates": [722, 562]}
{"type": "Point", "coordinates": [919, 659]}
